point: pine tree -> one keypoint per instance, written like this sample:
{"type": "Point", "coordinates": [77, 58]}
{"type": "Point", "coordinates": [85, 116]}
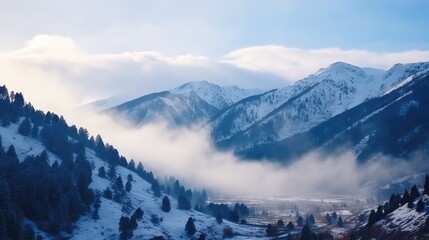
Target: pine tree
{"type": "Point", "coordinates": [25, 127]}
{"type": "Point", "coordinates": [133, 223]}
{"type": "Point", "coordinates": [405, 198]}
{"type": "Point", "coordinates": [166, 204]}
{"type": "Point", "coordinates": [27, 233]}
{"type": "Point", "coordinates": [3, 230]}
{"type": "Point", "coordinates": [306, 233]}
{"type": "Point", "coordinates": [234, 216]}
{"type": "Point", "coordinates": [190, 227]}
{"type": "Point", "coordinates": [107, 193]}
{"type": "Point", "coordinates": [124, 228]}
{"type": "Point", "coordinates": [219, 218]}
{"type": "Point", "coordinates": [156, 189]}
{"type": "Point", "coordinates": [426, 186]}
{"type": "Point", "coordinates": [420, 206]}
{"type": "Point", "coordinates": [35, 131]}
{"type": "Point", "coordinates": [97, 205]}
{"type": "Point", "coordinates": [300, 221]}
{"type": "Point", "coordinates": [138, 213]}
{"type": "Point", "coordinates": [102, 172]}
{"type": "Point", "coordinates": [411, 203]}
{"type": "Point", "coordinates": [271, 230]}
{"type": "Point", "coordinates": [328, 219]}
{"type": "Point", "coordinates": [372, 218]}
{"type": "Point", "coordinates": [128, 186]}
{"type": "Point", "coordinates": [311, 219]}
{"type": "Point", "coordinates": [183, 203]}
{"type": "Point", "coordinates": [119, 185]}
{"type": "Point", "coordinates": [280, 223]}
{"type": "Point", "coordinates": [290, 226]}
{"type": "Point", "coordinates": [130, 177]}
{"type": "Point", "coordinates": [340, 222]}
{"type": "Point", "coordinates": [132, 165]}
{"type": "Point", "coordinates": [414, 193]}
{"type": "Point", "coordinates": [202, 236]}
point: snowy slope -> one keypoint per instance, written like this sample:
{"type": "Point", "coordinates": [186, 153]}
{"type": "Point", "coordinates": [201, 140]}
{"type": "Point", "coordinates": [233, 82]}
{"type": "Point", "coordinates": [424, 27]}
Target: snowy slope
{"type": "Point", "coordinates": [172, 226]}
{"type": "Point", "coordinates": [188, 104]}
{"type": "Point", "coordinates": [393, 124]}
{"type": "Point", "coordinates": [215, 95]}
{"type": "Point", "coordinates": [282, 113]}
{"type": "Point", "coordinates": [403, 223]}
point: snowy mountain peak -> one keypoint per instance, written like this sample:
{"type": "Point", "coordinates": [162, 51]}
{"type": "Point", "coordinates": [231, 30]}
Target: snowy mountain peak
{"type": "Point", "coordinates": [341, 68]}
{"type": "Point", "coordinates": [215, 95]}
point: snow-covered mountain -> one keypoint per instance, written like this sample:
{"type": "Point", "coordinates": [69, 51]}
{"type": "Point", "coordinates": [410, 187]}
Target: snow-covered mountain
{"type": "Point", "coordinates": [393, 124]}
{"type": "Point", "coordinates": [190, 103]}
{"type": "Point", "coordinates": [56, 182]}
{"type": "Point", "coordinates": [215, 95]}
{"type": "Point", "coordinates": [279, 114]}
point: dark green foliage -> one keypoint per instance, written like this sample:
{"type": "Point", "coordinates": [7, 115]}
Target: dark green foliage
{"type": "Point", "coordinates": [228, 232]}
{"type": "Point", "coordinates": [35, 131]}
{"type": "Point", "coordinates": [334, 215]}
{"type": "Point", "coordinates": [128, 186]}
{"type": "Point", "coordinates": [420, 206]}
{"type": "Point", "coordinates": [290, 226]}
{"type": "Point", "coordinates": [243, 221]}
{"type": "Point", "coordinates": [183, 203]}
{"type": "Point", "coordinates": [306, 233]}
{"type": "Point", "coordinates": [300, 221]}
{"type": "Point", "coordinates": [202, 236]}
{"type": "Point", "coordinates": [27, 233]}
{"type": "Point", "coordinates": [405, 198]}
{"type": "Point", "coordinates": [133, 223]}
{"type": "Point", "coordinates": [280, 223]}
{"type": "Point", "coordinates": [271, 230]}
{"type": "Point", "coordinates": [97, 205]}
{"type": "Point", "coordinates": [234, 216]}
{"type": "Point", "coordinates": [102, 172]}
{"type": "Point", "coordinates": [132, 165]}
{"type": "Point", "coordinates": [138, 213]}
{"type": "Point", "coordinates": [372, 218]}
{"type": "Point", "coordinates": [156, 189]}
{"type": "Point", "coordinates": [25, 127]}
{"type": "Point", "coordinates": [166, 204]}
{"type": "Point", "coordinates": [154, 219]}
{"type": "Point", "coordinates": [3, 228]}
{"type": "Point", "coordinates": [223, 211]}
{"type": "Point", "coordinates": [119, 185]}
{"type": "Point", "coordinates": [107, 193]}
{"type": "Point", "coordinates": [111, 173]}
{"type": "Point", "coordinates": [426, 186]}
{"type": "Point", "coordinates": [219, 218]}
{"type": "Point", "coordinates": [310, 220]}
{"type": "Point", "coordinates": [394, 202]}
{"type": "Point", "coordinates": [411, 203]}
{"type": "Point", "coordinates": [125, 228]}
{"type": "Point", "coordinates": [340, 222]}
{"type": "Point", "coordinates": [328, 219]}
{"type": "Point", "coordinates": [130, 177]}
{"type": "Point", "coordinates": [414, 193]}
{"type": "Point", "coordinates": [190, 227]}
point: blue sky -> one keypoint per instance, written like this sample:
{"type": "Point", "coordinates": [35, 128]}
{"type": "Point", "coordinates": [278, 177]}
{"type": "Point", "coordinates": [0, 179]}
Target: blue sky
{"type": "Point", "coordinates": [214, 28]}
{"type": "Point", "coordinates": [99, 48]}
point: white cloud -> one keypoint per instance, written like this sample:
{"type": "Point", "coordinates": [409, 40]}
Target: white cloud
{"type": "Point", "coordinates": [189, 155]}
{"type": "Point", "coordinates": [58, 65]}
{"type": "Point", "coordinates": [293, 64]}
{"type": "Point", "coordinates": [56, 75]}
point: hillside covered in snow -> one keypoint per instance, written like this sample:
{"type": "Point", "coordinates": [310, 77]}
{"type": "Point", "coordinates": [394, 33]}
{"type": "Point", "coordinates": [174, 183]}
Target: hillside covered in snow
{"type": "Point", "coordinates": [56, 182]}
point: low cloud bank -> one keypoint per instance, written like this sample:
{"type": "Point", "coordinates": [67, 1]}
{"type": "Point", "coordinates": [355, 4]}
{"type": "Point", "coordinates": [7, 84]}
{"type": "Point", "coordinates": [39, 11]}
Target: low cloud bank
{"type": "Point", "coordinates": [189, 155]}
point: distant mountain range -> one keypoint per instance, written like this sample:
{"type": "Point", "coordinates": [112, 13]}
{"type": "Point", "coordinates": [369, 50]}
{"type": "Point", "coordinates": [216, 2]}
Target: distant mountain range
{"type": "Point", "coordinates": [337, 105]}
{"type": "Point", "coordinates": [191, 103]}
